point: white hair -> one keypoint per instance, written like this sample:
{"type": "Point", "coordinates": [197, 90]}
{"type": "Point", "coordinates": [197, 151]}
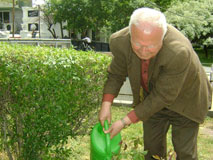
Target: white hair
{"type": "Point", "coordinates": [152, 16]}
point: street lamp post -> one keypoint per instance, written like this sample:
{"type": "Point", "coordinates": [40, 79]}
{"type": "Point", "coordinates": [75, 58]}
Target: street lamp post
{"type": "Point", "coordinates": [39, 24]}
{"type": "Point", "coordinates": [13, 17]}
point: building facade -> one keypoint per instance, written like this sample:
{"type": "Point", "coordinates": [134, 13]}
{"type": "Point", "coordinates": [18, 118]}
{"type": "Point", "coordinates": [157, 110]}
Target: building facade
{"type": "Point", "coordinates": [6, 14]}
{"type": "Point", "coordinates": [29, 22]}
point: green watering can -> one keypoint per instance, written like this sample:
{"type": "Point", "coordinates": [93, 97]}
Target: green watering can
{"type": "Point", "coordinates": [101, 146]}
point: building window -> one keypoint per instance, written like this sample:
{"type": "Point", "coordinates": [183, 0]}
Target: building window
{"type": "Point", "coordinates": [1, 18]}
{"type": "Point", "coordinates": [33, 13]}
{"type": "Point", "coordinates": [4, 18]}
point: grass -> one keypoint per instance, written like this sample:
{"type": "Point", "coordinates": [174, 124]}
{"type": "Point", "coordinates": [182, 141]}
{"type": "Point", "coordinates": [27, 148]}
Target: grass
{"type": "Point", "coordinates": [132, 140]}
{"type": "Point", "coordinates": [132, 137]}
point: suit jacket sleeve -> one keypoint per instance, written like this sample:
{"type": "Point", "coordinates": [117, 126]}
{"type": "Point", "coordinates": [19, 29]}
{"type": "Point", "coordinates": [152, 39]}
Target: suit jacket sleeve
{"type": "Point", "coordinates": [117, 71]}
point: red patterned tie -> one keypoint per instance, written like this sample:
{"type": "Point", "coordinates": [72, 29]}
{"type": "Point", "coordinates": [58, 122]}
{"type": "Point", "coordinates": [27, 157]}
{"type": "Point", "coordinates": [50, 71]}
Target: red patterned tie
{"type": "Point", "coordinates": [144, 73]}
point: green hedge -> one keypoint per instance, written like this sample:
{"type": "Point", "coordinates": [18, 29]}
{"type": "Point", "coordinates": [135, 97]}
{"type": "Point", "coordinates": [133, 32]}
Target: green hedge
{"type": "Point", "coordinates": [45, 95]}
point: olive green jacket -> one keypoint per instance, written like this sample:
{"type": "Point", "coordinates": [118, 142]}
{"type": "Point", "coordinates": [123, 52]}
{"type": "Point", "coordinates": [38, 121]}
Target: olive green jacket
{"type": "Point", "coordinates": [176, 78]}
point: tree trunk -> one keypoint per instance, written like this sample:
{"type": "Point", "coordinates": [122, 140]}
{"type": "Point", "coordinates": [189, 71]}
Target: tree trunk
{"type": "Point", "coordinates": [52, 31]}
{"type": "Point", "coordinates": [206, 51]}
{"type": "Point", "coordinates": [62, 33]}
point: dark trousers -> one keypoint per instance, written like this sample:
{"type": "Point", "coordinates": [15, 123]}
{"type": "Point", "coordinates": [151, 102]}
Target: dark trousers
{"type": "Point", "coordinates": [184, 135]}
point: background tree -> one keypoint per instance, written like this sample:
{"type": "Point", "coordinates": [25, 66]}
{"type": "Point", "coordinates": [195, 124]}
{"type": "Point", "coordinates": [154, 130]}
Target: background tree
{"type": "Point", "coordinates": [75, 12]}
{"type": "Point", "coordinates": [53, 14]}
{"type": "Point", "coordinates": [121, 12]}
{"type": "Point", "coordinates": [163, 5]}
{"type": "Point", "coordinates": [72, 13]}
{"type": "Point", "coordinates": [99, 12]}
{"type": "Point", "coordinates": [48, 19]}
{"type": "Point", "coordinates": [194, 19]}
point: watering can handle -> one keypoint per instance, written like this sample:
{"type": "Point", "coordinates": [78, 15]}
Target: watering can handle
{"type": "Point", "coordinates": [108, 146]}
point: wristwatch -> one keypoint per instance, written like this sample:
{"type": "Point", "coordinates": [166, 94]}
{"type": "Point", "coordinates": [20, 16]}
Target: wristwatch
{"type": "Point", "coordinates": [124, 123]}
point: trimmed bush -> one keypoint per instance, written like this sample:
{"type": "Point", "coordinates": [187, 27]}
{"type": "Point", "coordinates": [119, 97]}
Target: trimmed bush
{"type": "Point", "coordinates": [45, 96]}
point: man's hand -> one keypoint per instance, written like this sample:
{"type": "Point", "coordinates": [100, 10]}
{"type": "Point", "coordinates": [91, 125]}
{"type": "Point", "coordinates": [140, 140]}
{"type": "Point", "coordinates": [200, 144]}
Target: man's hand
{"type": "Point", "coordinates": [105, 113]}
{"type": "Point", "coordinates": [117, 127]}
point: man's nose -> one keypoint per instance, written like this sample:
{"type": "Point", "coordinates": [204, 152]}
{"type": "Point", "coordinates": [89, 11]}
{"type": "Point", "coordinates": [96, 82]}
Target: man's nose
{"type": "Point", "coordinates": [144, 49]}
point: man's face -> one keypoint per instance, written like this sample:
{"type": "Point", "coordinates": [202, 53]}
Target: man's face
{"type": "Point", "coordinates": [146, 40]}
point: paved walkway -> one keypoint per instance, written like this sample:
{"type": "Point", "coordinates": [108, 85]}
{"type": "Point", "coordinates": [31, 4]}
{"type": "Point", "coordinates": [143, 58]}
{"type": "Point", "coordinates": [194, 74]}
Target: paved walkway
{"type": "Point", "coordinates": [125, 95]}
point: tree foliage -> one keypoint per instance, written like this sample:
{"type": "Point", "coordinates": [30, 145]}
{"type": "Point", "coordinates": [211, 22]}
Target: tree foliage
{"type": "Point", "coordinates": [82, 15]}
{"type": "Point", "coordinates": [72, 13]}
{"type": "Point", "coordinates": [194, 19]}
{"type": "Point", "coordinates": [121, 12]}
{"type": "Point", "coordinates": [99, 12]}
{"type": "Point", "coordinates": [48, 18]}
{"type": "Point", "coordinates": [163, 5]}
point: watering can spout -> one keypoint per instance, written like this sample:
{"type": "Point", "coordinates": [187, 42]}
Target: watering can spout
{"type": "Point", "coordinates": [101, 146]}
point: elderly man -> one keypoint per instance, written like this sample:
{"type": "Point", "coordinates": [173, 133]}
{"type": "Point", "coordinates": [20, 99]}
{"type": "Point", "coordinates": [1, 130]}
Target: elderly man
{"type": "Point", "coordinates": [169, 84]}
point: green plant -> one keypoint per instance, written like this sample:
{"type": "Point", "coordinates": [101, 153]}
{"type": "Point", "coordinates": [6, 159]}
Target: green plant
{"type": "Point", "coordinates": [134, 150]}
{"type": "Point", "coordinates": [81, 144]}
{"type": "Point", "coordinates": [46, 95]}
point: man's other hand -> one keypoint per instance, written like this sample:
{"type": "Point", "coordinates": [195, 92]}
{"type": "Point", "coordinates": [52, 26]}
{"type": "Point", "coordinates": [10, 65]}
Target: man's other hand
{"type": "Point", "coordinates": [105, 112]}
